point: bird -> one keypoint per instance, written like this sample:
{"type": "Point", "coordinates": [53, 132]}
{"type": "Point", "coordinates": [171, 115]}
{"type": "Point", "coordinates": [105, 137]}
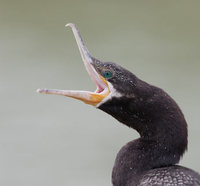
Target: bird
{"type": "Point", "coordinates": [152, 159]}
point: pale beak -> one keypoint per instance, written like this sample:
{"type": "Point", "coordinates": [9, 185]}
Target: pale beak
{"type": "Point", "coordinates": [92, 98]}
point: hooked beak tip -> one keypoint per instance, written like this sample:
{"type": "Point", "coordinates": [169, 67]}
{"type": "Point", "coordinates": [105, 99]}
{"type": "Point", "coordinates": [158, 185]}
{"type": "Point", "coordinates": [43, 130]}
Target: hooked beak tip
{"type": "Point", "coordinates": [70, 25]}
{"type": "Point", "coordinates": [40, 90]}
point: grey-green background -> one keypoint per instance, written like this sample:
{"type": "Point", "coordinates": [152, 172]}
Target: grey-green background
{"type": "Point", "coordinates": [52, 140]}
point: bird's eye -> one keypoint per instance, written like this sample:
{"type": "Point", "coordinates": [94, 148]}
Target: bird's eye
{"type": "Point", "coordinates": [107, 74]}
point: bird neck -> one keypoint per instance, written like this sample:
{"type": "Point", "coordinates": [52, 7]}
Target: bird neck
{"type": "Point", "coordinates": [141, 155]}
{"type": "Point", "coordinates": [162, 129]}
{"type": "Point", "coordinates": [161, 145]}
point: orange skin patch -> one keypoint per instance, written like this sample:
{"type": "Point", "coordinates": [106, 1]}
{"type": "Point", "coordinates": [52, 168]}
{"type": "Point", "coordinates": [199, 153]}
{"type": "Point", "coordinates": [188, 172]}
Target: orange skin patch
{"type": "Point", "coordinates": [97, 98]}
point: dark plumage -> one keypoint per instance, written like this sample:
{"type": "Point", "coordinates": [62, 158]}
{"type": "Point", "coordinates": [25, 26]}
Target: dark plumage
{"type": "Point", "coordinates": [161, 125]}
{"type": "Point", "coordinates": [172, 175]}
{"type": "Point", "coordinates": [149, 160]}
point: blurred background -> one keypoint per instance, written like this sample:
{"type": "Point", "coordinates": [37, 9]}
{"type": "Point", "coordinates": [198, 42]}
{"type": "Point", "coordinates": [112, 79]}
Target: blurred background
{"type": "Point", "coordinates": [50, 140]}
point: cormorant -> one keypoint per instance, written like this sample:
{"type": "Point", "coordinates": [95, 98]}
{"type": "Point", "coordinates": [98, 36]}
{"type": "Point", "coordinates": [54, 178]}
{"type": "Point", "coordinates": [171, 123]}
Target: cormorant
{"type": "Point", "coordinates": [152, 158]}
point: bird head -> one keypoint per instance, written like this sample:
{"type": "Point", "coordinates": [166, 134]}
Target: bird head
{"type": "Point", "coordinates": [122, 95]}
{"type": "Point", "coordinates": [118, 90]}
{"type": "Point", "coordinates": [111, 79]}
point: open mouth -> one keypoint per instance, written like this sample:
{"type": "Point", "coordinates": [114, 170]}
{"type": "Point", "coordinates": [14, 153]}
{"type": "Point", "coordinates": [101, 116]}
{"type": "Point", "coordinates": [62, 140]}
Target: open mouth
{"type": "Point", "coordinates": [92, 98]}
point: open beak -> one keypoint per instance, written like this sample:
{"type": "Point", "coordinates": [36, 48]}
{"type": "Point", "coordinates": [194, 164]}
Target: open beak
{"type": "Point", "coordinates": [92, 98]}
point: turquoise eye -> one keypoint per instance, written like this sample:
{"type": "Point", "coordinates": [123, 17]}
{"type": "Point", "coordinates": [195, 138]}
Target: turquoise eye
{"type": "Point", "coordinates": [107, 74]}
